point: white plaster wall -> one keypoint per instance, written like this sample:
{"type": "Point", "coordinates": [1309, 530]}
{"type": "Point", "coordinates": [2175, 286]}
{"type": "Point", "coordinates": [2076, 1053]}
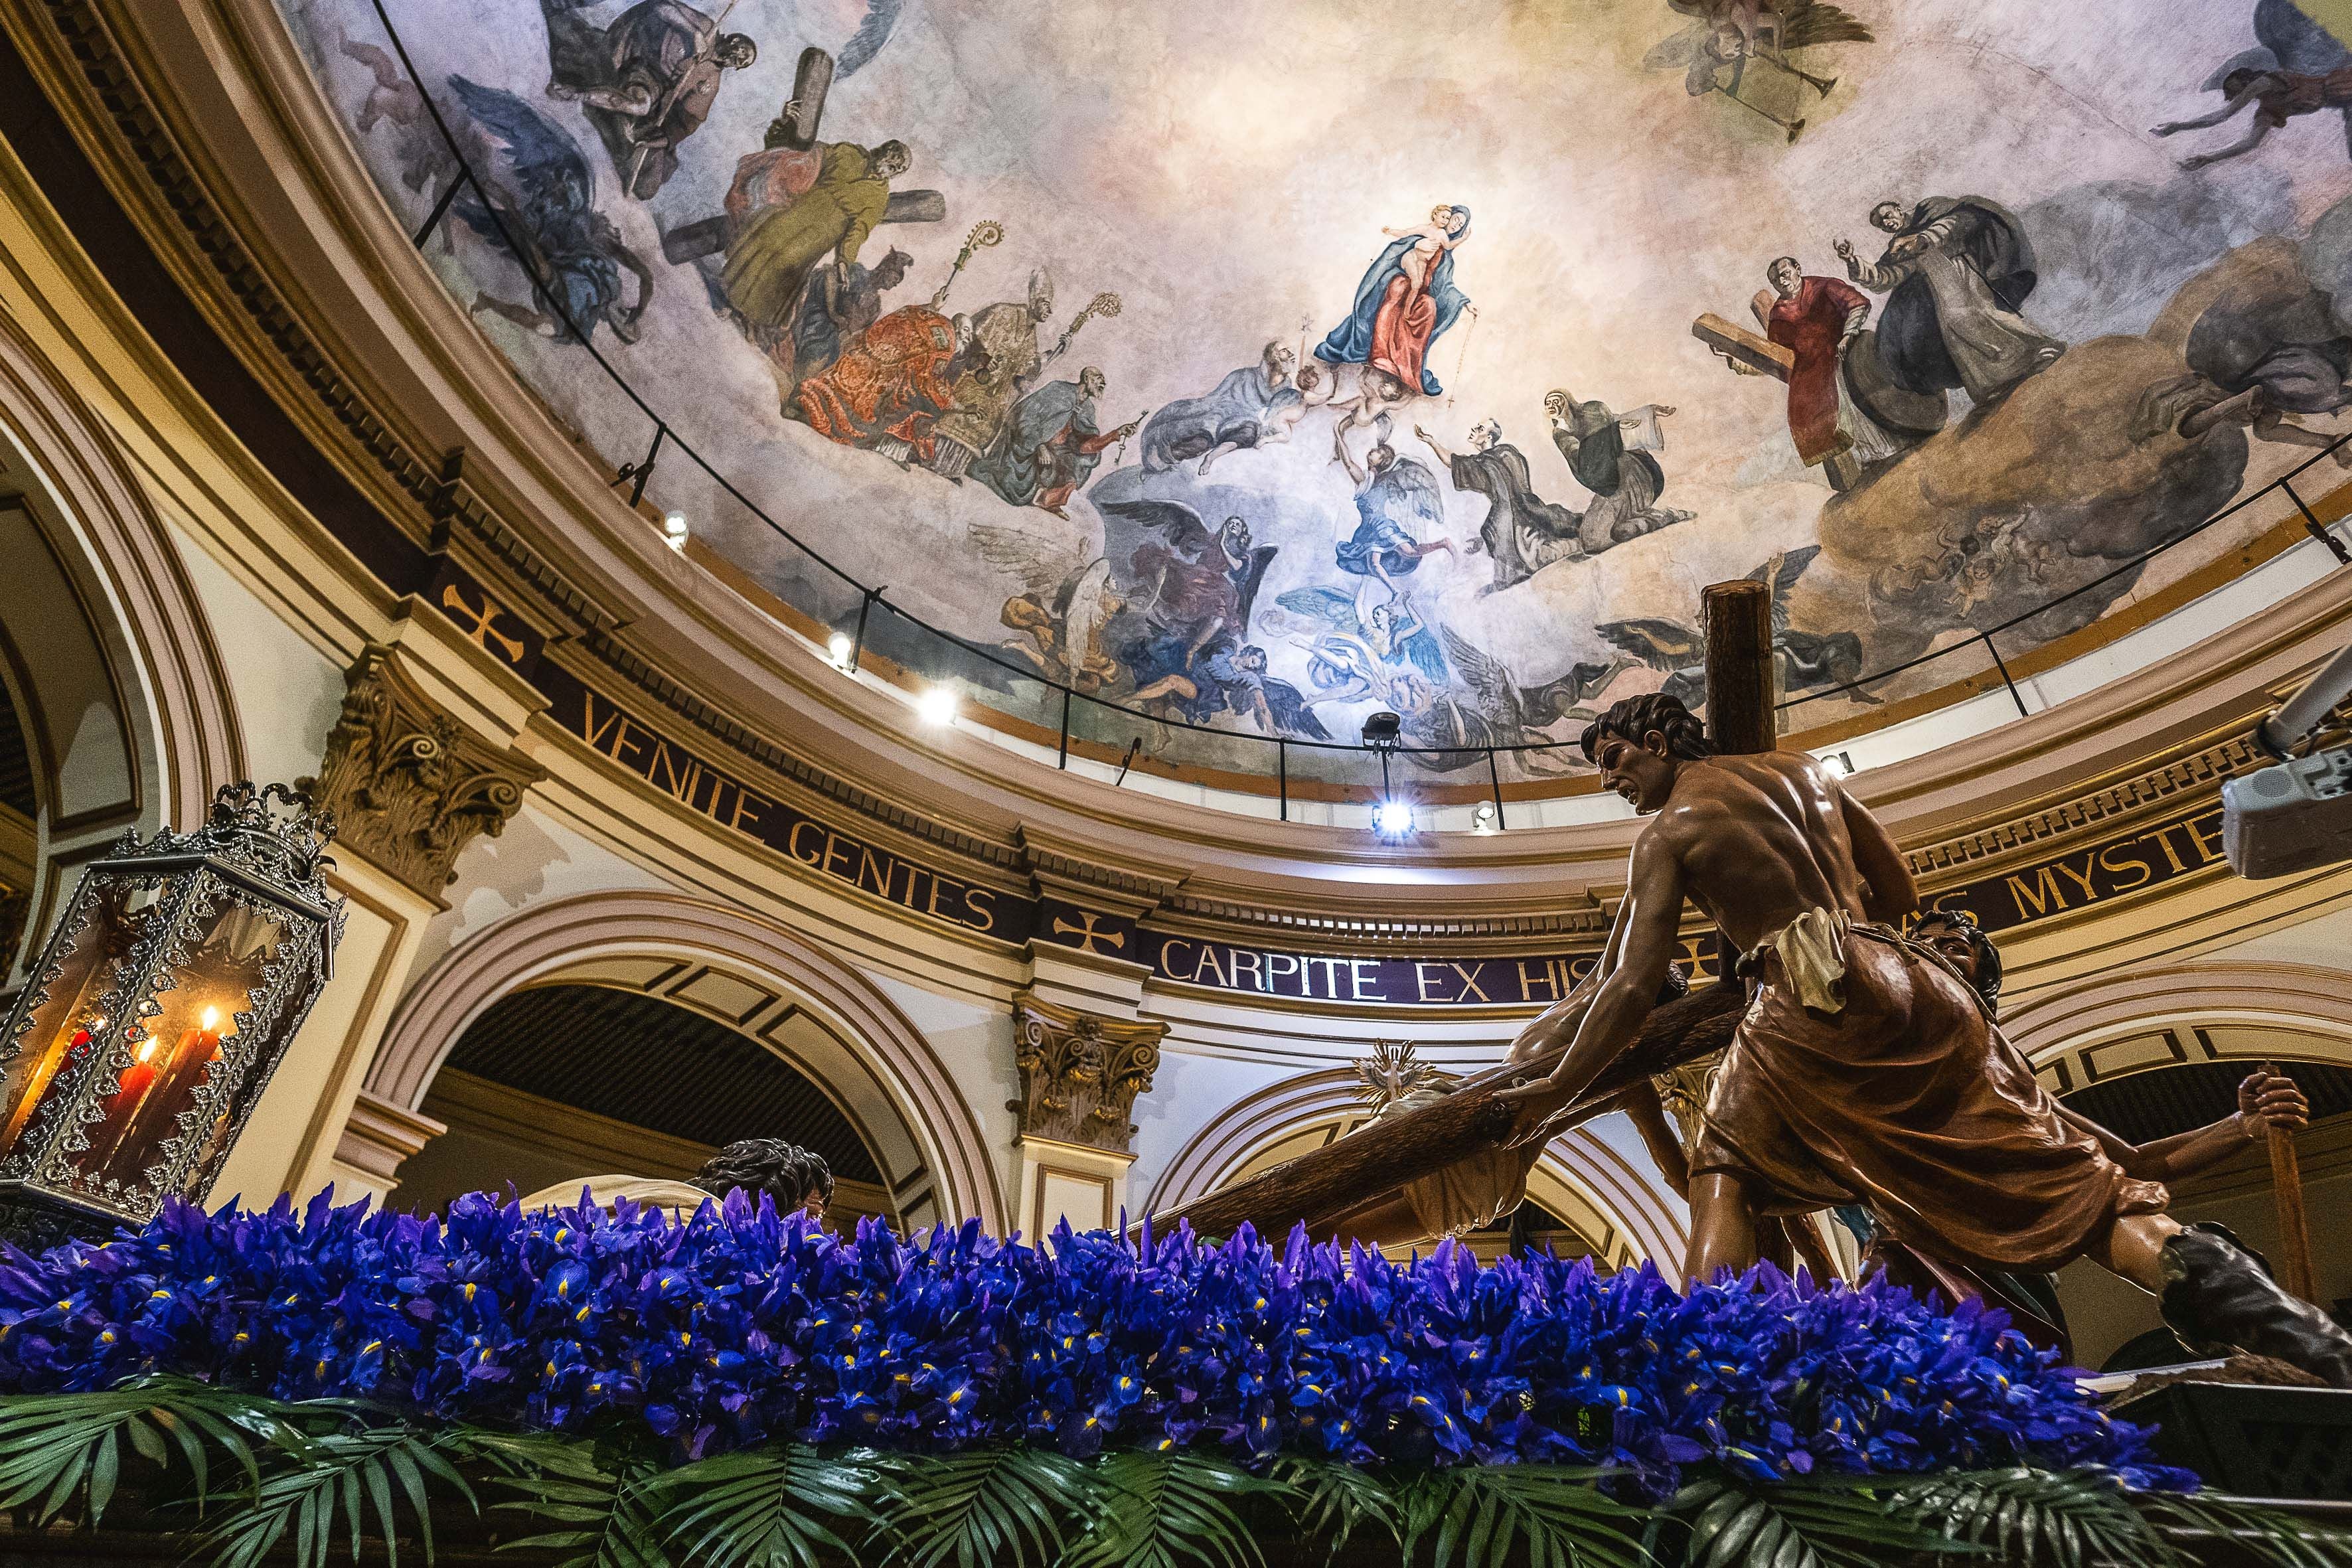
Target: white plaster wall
{"type": "Point", "coordinates": [538, 856]}
{"type": "Point", "coordinates": [2324, 942]}
{"type": "Point", "coordinates": [1190, 1090]}
{"type": "Point", "coordinates": [288, 691]}
{"type": "Point", "coordinates": [974, 1043]}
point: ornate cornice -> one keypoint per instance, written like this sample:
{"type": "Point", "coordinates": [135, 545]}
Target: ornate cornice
{"type": "Point", "coordinates": [744, 742]}
{"type": "Point", "coordinates": [434, 503]}
{"type": "Point", "coordinates": [1079, 875]}
{"type": "Point", "coordinates": [409, 786]}
{"type": "Point", "coordinates": [2195, 773]}
{"type": "Point", "coordinates": [426, 496]}
{"type": "Point", "coordinates": [1080, 1072]}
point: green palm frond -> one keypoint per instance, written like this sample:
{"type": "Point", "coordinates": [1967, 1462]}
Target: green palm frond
{"type": "Point", "coordinates": [2266, 1534]}
{"type": "Point", "coordinates": [2063, 1518]}
{"type": "Point", "coordinates": [56, 1448]}
{"type": "Point", "coordinates": [604, 1506]}
{"type": "Point", "coordinates": [1824, 1524]}
{"type": "Point", "coordinates": [984, 1508]}
{"type": "Point", "coordinates": [1334, 1501]}
{"type": "Point", "coordinates": [1485, 1511]}
{"type": "Point", "coordinates": [348, 1474]}
{"type": "Point", "coordinates": [1161, 1509]}
{"type": "Point", "coordinates": [764, 1508]}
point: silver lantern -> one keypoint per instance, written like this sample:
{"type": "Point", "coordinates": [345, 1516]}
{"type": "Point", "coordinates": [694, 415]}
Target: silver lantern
{"type": "Point", "coordinates": [165, 1000]}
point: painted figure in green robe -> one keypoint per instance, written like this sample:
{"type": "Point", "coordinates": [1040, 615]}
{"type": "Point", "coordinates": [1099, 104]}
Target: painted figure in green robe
{"type": "Point", "coordinates": [770, 260]}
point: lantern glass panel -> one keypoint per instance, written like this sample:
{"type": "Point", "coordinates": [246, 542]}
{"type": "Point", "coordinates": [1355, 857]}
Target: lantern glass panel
{"type": "Point", "coordinates": [180, 1045]}
{"type": "Point", "coordinates": [104, 925]}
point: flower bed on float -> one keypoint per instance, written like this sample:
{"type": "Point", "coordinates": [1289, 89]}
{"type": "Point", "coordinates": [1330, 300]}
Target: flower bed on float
{"type": "Point", "coordinates": [737, 1344]}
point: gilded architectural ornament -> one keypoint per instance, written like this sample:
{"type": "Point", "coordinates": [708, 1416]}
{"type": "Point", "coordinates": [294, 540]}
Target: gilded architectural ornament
{"type": "Point", "coordinates": [1080, 1072]}
{"type": "Point", "coordinates": [409, 785]}
{"type": "Point", "coordinates": [1393, 1071]}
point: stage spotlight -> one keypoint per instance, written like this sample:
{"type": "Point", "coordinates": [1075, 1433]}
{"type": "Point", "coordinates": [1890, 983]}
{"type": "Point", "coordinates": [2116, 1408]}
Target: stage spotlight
{"type": "Point", "coordinates": [936, 706]}
{"type": "Point", "coordinates": [842, 649]}
{"type": "Point", "coordinates": [1393, 818]}
{"type": "Point", "coordinates": [674, 530]}
{"type": "Point", "coordinates": [1483, 819]}
{"type": "Point", "coordinates": [1382, 728]}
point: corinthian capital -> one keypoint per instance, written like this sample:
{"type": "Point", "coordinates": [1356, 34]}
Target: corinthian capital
{"type": "Point", "coordinates": [409, 785]}
{"type": "Point", "coordinates": [1080, 1072]}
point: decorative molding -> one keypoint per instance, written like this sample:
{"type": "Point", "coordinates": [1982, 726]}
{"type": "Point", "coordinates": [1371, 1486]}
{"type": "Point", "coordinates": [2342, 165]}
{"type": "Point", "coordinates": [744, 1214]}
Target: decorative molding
{"type": "Point", "coordinates": [2197, 772]}
{"type": "Point", "coordinates": [1072, 873]}
{"type": "Point", "coordinates": [2290, 997]}
{"type": "Point", "coordinates": [84, 472]}
{"type": "Point", "coordinates": [380, 1135]}
{"type": "Point", "coordinates": [409, 788]}
{"type": "Point", "coordinates": [1080, 1072]}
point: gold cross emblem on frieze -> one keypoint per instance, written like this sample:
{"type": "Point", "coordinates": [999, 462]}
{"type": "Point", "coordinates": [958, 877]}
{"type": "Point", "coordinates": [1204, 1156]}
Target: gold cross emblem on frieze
{"type": "Point", "coordinates": [477, 623]}
{"type": "Point", "coordinates": [1086, 928]}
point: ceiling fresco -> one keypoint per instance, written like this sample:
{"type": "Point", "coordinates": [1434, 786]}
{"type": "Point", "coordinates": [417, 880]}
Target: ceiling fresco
{"type": "Point", "coordinates": [1265, 365]}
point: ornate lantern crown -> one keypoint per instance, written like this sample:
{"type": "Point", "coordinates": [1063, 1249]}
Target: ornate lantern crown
{"type": "Point", "coordinates": [165, 998]}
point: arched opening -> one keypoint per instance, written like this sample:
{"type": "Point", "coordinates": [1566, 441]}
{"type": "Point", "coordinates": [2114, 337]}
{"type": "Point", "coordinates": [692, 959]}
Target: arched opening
{"type": "Point", "coordinates": [114, 710]}
{"type": "Point", "coordinates": [669, 1087]}
{"type": "Point", "coordinates": [802, 1005]}
{"type": "Point", "coordinates": [2159, 1050]}
{"type": "Point", "coordinates": [20, 833]}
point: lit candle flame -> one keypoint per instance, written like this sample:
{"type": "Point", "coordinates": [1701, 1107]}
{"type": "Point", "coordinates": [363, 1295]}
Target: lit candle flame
{"type": "Point", "coordinates": [147, 1051]}
{"type": "Point", "coordinates": [212, 1020]}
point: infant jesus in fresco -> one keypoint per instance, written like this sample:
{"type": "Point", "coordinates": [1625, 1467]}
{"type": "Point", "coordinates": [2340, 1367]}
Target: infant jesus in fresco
{"type": "Point", "coordinates": [1865, 1071]}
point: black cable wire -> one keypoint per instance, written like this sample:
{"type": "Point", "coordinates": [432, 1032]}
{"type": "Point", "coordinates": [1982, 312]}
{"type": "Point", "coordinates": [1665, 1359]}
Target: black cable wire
{"type": "Point", "coordinates": [541, 289]}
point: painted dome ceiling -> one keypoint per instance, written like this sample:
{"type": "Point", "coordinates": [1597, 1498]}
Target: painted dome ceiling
{"type": "Point", "coordinates": [1263, 366]}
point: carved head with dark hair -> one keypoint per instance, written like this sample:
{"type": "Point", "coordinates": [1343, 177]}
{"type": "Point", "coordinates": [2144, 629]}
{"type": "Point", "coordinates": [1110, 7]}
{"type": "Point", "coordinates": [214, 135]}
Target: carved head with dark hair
{"type": "Point", "coordinates": [1641, 744]}
{"type": "Point", "coordinates": [791, 1176]}
{"type": "Point", "coordinates": [1956, 936]}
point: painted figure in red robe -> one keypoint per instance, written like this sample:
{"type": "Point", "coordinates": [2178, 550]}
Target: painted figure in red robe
{"type": "Point", "coordinates": [890, 383]}
{"type": "Point", "coordinates": [1406, 299]}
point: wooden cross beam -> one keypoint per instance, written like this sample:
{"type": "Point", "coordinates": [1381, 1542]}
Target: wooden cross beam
{"type": "Point", "coordinates": [1738, 343]}
{"type": "Point", "coordinates": [1327, 1184]}
{"type": "Point", "coordinates": [812, 81]}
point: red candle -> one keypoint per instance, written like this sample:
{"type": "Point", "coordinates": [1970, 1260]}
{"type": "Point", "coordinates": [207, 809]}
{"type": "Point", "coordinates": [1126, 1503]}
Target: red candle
{"type": "Point", "coordinates": [150, 1090]}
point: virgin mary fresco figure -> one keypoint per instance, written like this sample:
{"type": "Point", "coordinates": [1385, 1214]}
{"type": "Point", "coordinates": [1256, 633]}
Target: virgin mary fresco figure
{"type": "Point", "coordinates": [1406, 300]}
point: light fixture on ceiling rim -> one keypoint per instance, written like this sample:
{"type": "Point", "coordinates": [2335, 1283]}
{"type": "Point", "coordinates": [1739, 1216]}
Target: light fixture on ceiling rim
{"type": "Point", "coordinates": [674, 530]}
{"type": "Point", "coordinates": [841, 650]}
{"type": "Point", "coordinates": [936, 706]}
{"type": "Point", "coordinates": [1392, 817]}
{"type": "Point", "coordinates": [1483, 819]}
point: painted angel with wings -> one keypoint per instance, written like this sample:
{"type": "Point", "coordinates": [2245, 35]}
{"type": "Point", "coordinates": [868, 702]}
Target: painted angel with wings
{"type": "Point", "coordinates": [1802, 659]}
{"type": "Point", "coordinates": [1725, 34]}
{"type": "Point", "coordinates": [1065, 602]}
{"type": "Point", "coordinates": [539, 193]}
{"type": "Point", "coordinates": [1361, 646]}
{"type": "Point", "coordinates": [1189, 580]}
{"type": "Point", "coordinates": [1501, 711]}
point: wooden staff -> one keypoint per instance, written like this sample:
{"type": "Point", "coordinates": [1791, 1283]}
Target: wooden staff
{"type": "Point", "coordinates": [2286, 1191]}
{"type": "Point", "coordinates": [1740, 688]}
